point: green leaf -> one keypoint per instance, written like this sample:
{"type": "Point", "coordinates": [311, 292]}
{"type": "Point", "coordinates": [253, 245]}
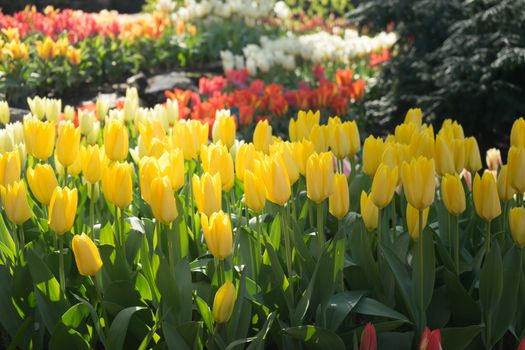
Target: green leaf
{"type": "Point", "coordinates": [464, 309]}
{"type": "Point", "coordinates": [315, 337]}
{"type": "Point", "coordinates": [459, 338]}
{"type": "Point", "coordinates": [94, 318]}
{"type": "Point", "coordinates": [205, 311]}
{"type": "Point", "coordinates": [491, 280]}
{"type": "Point", "coordinates": [239, 323]}
{"type": "Point", "coordinates": [49, 298]}
{"type": "Point", "coordinates": [260, 337]}
{"type": "Point", "coordinates": [9, 317]}
{"type": "Point", "coordinates": [395, 340]}
{"type": "Point", "coordinates": [372, 307]}
{"type": "Point", "coordinates": [339, 306]}
{"type": "Point", "coordinates": [7, 245]}
{"type": "Point", "coordinates": [75, 315]}
{"type": "Point", "coordinates": [20, 333]}
{"type": "Point", "coordinates": [64, 337]}
{"type": "Point", "coordinates": [119, 327]}
{"type": "Point", "coordinates": [424, 270]}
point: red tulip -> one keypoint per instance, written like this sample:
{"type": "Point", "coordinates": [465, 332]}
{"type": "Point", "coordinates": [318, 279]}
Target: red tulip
{"type": "Point", "coordinates": [521, 346]}
{"type": "Point", "coordinates": [368, 338]}
{"type": "Point", "coordinates": [430, 340]}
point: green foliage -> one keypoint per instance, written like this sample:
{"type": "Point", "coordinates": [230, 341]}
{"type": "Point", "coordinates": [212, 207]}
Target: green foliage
{"type": "Point", "coordinates": [321, 7]}
{"type": "Point", "coordinates": [464, 60]}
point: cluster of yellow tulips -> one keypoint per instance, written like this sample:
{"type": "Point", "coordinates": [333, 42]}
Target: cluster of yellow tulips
{"type": "Point", "coordinates": [220, 188]}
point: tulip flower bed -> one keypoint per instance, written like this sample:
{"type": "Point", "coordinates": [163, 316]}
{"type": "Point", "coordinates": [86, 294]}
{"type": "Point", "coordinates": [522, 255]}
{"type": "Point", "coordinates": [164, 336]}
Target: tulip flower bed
{"type": "Point", "coordinates": [148, 234]}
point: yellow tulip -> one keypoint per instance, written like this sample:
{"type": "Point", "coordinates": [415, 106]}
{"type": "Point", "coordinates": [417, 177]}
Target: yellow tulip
{"type": "Point", "coordinates": [117, 184]}
{"type": "Point", "coordinates": [339, 200]}
{"type": "Point", "coordinates": [116, 143]}
{"type": "Point", "coordinates": [245, 159]}
{"type": "Point", "coordinates": [517, 225]}
{"type": "Point", "coordinates": [39, 138]}
{"type": "Point", "coordinates": [319, 136]}
{"type": "Point", "coordinates": [148, 170]}
{"type": "Point", "coordinates": [158, 147]}
{"type": "Point", "coordinates": [517, 133]}
{"type": "Point", "coordinates": [300, 129]}
{"type": "Point", "coordinates": [9, 167]}
{"type": "Point", "coordinates": [92, 160]}
{"type": "Point", "coordinates": [224, 302]}
{"type": "Point", "coordinates": [207, 193]}
{"type": "Point", "coordinates": [254, 191]}
{"type": "Point", "coordinates": [4, 111]}
{"type": "Point", "coordinates": [383, 185]}
{"type": "Point", "coordinates": [422, 143]}
{"type": "Point", "coordinates": [505, 189]}
{"type": "Point", "coordinates": [87, 256]}
{"type": "Point", "coordinates": [42, 182]}
{"type": "Point", "coordinates": [415, 116]}
{"type": "Point", "coordinates": [419, 183]}
{"type": "Point", "coordinates": [344, 139]}
{"type": "Point", "coordinates": [217, 160]}
{"type": "Point", "coordinates": [68, 144]}
{"type": "Point", "coordinates": [451, 130]}
{"type": "Point", "coordinates": [149, 130]}
{"type": "Point", "coordinates": [162, 200]}
{"type": "Point", "coordinates": [369, 211]}
{"type": "Point", "coordinates": [453, 194]}
{"type": "Point", "coordinates": [171, 164]}
{"type": "Point", "coordinates": [62, 209]}
{"type": "Point", "coordinates": [459, 148]}
{"type": "Point", "coordinates": [14, 200]}
{"type": "Point", "coordinates": [284, 150]}
{"type": "Point", "coordinates": [224, 128]}
{"type": "Point", "coordinates": [485, 194]}
{"type": "Point", "coordinates": [412, 215]}
{"type": "Point", "coordinates": [444, 157]}
{"type": "Point", "coordinates": [404, 132]}
{"type": "Point", "coordinates": [516, 166]}
{"type": "Point", "coordinates": [473, 159]}
{"type": "Point", "coordinates": [217, 230]}
{"type": "Point", "coordinates": [301, 151]}
{"type": "Point", "coordinates": [278, 189]}
{"type": "Point", "coordinates": [372, 152]}
{"type": "Point", "coordinates": [319, 176]}
{"type": "Point", "coordinates": [262, 136]}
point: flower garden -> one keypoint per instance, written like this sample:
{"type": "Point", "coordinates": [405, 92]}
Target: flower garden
{"type": "Point", "coordinates": [261, 205]}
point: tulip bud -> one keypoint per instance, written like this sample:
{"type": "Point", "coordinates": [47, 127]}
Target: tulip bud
{"type": "Point", "coordinates": [102, 107]}
{"type": "Point", "coordinates": [505, 189]}
{"type": "Point", "coordinates": [69, 113]}
{"type": "Point", "coordinates": [412, 215]}
{"type": "Point", "coordinates": [339, 200]}
{"type": "Point", "coordinates": [14, 200]}
{"type": "Point", "coordinates": [300, 153]}
{"type": "Point", "coordinates": [117, 184]}
{"type": "Point", "coordinates": [414, 115]}
{"type": "Point", "coordinates": [517, 133]}
{"type": "Point", "coordinates": [207, 193]}
{"type": "Point", "coordinates": [10, 167]}
{"type": "Point", "coordinates": [162, 200]}
{"type": "Point", "coordinates": [92, 161]}
{"type": "Point", "coordinates": [485, 195]}
{"type": "Point", "coordinates": [372, 152]}
{"type": "Point", "coordinates": [404, 132]}
{"type": "Point", "coordinates": [53, 109]}
{"type": "Point", "coordinates": [516, 166]}
{"type": "Point", "coordinates": [453, 194]}
{"type": "Point", "coordinates": [92, 137]}
{"type": "Point", "coordinates": [217, 230]}
{"type": "Point", "coordinates": [42, 182]}
{"type": "Point", "coordinates": [171, 164]}
{"type": "Point", "coordinates": [116, 141]}
{"type": "Point", "coordinates": [6, 142]}
{"type": "Point", "coordinates": [224, 128]}
{"type": "Point", "coordinates": [39, 138]}
{"type": "Point", "coordinates": [301, 128]}
{"type": "Point", "coordinates": [430, 340]}
{"type": "Point", "coordinates": [451, 130]}
{"type": "Point", "coordinates": [419, 182]}
{"type": "Point", "coordinates": [224, 302]}
{"type": "Point", "coordinates": [344, 139]}
{"type": "Point", "coordinates": [422, 143]}
{"type": "Point", "coordinates": [460, 152]}
{"type": "Point", "coordinates": [4, 113]}
{"type": "Point", "coordinates": [319, 176]}
{"type": "Point", "coordinates": [517, 225]}
{"type": "Point", "coordinates": [262, 136]}
{"type": "Point", "coordinates": [245, 159]}
{"type": "Point", "coordinates": [37, 107]}
{"type": "Point", "coordinates": [473, 160]}
{"type": "Point", "coordinates": [87, 256]}
{"type": "Point", "coordinates": [444, 157]}
{"type": "Point", "coordinates": [254, 191]}
{"type": "Point", "coordinates": [493, 159]}
{"type": "Point", "coordinates": [86, 121]}
{"type": "Point", "coordinates": [319, 136]}
{"type": "Point", "coordinates": [383, 185]}
{"type": "Point", "coordinates": [369, 211]}
{"type": "Point", "coordinates": [172, 111]}
{"type": "Point", "coordinates": [62, 209]}
{"type": "Point", "coordinates": [521, 345]}
{"type": "Point", "coordinates": [273, 170]}
{"type": "Point", "coordinates": [68, 144]}
{"type": "Point", "coordinates": [148, 170]}
{"type": "Point", "coordinates": [217, 159]}
{"type": "Point", "coordinates": [368, 338]}
{"type": "Point", "coordinates": [283, 149]}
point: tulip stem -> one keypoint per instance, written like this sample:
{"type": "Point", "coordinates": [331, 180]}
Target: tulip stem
{"type": "Point", "coordinates": [379, 238]}
{"type": "Point", "coordinates": [65, 176]}
{"type": "Point", "coordinates": [394, 218]}
{"type": "Point", "coordinates": [259, 239]}
{"type": "Point", "coordinates": [22, 237]}
{"type": "Point", "coordinates": [61, 275]}
{"type": "Point", "coordinates": [422, 316]}
{"type": "Point", "coordinates": [219, 269]}
{"type": "Point", "coordinates": [169, 237]}
{"type": "Point", "coordinates": [92, 211]}
{"type": "Point", "coordinates": [196, 235]}
{"type": "Point", "coordinates": [101, 301]}
{"type": "Point", "coordinates": [320, 227]}
{"type": "Point", "coordinates": [487, 238]}
{"type": "Point", "coordinates": [455, 225]}
{"type": "Point", "coordinates": [287, 246]}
